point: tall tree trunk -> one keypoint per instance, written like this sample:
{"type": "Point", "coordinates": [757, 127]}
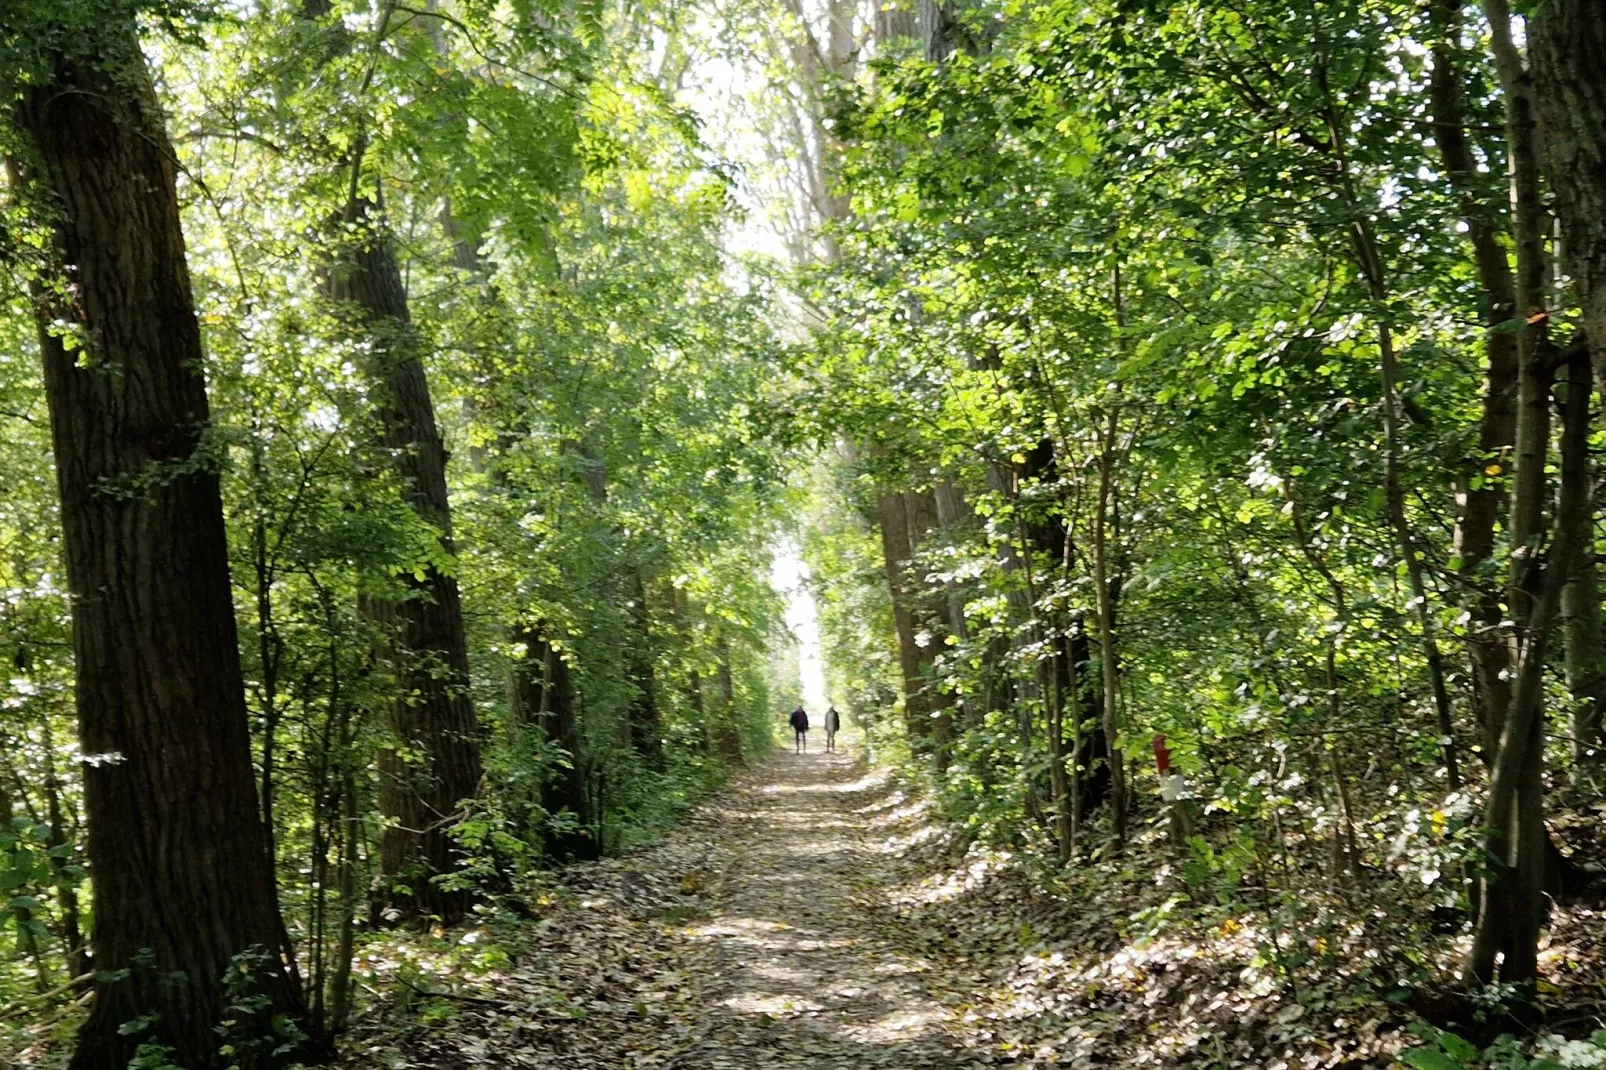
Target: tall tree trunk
{"type": "Point", "coordinates": [1511, 898]}
{"type": "Point", "coordinates": [892, 518]}
{"type": "Point", "coordinates": [642, 715]}
{"type": "Point", "coordinates": [1585, 658]}
{"type": "Point", "coordinates": [1478, 490]}
{"type": "Point", "coordinates": [1511, 893]}
{"type": "Point", "coordinates": [182, 880]}
{"type": "Point", "coordinates": [422, 784]}
{"type": "Point", "coordinates": [942, 32]}
{"type": "Point", "coordinates": [421, 793]}
{"type": "Point", "coordinates": [1533, 390]}
{"type": "Point", "coordinates": [543, 698]}
{"type": "Point", "coordinates": [726, 734]}
{"type": "Point", "coordinates": [1567, 49]}
{"type": "Point", "coordinates": [1105, 609]}
{"type": "Point", "coordinates": [1567, 52]}
{"type": "Point", "coordinates": [893, 22]}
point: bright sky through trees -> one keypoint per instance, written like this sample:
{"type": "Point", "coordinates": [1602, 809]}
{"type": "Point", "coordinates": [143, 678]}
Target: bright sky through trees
{"type": "Point", "coordinates": [790, 576]}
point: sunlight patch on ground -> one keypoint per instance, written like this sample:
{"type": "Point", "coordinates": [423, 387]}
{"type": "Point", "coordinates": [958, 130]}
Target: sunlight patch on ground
{"type": "Point", "coordinates": [785, 974]}
{"type": "Point", "coordinates": [888, 802]}
{"type": "Point", "coordinates": [847, 787]}
{"type": "Point", "coordinates": [783, 817]}
{"type": "Point", "coordinates": [893, 969]}
{"type": "Point", "coordinates": [899, 1027]}
{"type": "Point", "coordinates": [773, 1005]}
{"type": "Point", "coordinates": [819, 849]}
{"type": "Point", "coordinates": [762, 933]}
{"type": "Point", "coordinates": [899, 844]}
{"type": "Point", "coordinates": [920, 808]}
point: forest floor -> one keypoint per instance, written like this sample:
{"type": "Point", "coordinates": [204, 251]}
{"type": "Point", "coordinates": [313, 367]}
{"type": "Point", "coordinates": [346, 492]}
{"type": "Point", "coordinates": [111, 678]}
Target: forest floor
{"type": "Point", "coordinates": [757, 935]}
{"type": "Point", "coordinates": [820, 914]}
{"type": "Point", "coordinates": [816, 914]}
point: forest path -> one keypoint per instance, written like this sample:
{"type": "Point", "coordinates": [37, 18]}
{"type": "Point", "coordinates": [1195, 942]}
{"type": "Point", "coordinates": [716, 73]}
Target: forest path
{"type": "Point", "coordinates": [772, 928]}
{"type": "Point", "coordinates": [804, 971]}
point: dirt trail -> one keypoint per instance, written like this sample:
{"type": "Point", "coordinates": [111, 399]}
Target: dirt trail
{"type": "Point", "coordinates": [761, 934]}
{"type": "Point", "coordinates": [812, 915]}
{"type": "Point", "coordinates": [805, 971]}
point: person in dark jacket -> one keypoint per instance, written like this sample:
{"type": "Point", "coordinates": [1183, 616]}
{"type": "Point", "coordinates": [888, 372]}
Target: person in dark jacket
{"type": "Point", "coordinates": [800, 727]}
{"type": "Point", "coordinates": [832, 723]}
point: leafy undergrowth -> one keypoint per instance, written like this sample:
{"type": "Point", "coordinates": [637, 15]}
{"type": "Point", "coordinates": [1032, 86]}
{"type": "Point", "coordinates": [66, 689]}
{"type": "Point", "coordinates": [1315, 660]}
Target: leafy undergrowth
{"type": "Point", "coordinates": [1163, 958]}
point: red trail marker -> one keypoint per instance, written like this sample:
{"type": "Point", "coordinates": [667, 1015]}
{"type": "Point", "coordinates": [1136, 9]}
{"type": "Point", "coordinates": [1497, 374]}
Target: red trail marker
{"type": "Point", "coordinates": [1162, 755]}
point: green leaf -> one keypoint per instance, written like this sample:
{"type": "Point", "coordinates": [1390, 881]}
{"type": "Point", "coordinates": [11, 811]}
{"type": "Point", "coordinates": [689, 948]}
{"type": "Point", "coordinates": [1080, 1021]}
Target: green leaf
{"type": "Point", "coordinates": [1428, 1059]}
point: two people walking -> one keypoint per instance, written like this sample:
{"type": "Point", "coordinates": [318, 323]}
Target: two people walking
{"type": "Point", "coordinates": [800, 729]}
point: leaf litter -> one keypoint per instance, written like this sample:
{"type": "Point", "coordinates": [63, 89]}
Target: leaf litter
{"type": "Point", "coordinates": [818, 915]}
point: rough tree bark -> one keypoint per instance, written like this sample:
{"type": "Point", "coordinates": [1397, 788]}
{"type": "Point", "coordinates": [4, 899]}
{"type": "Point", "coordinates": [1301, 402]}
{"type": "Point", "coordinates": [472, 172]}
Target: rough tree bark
{"type": "Point", "coordinates": [1567, 59]}
{"type": "Point", "coordinates": [943, 31]}
{"type": "Point", "coordinates": [1512, 905]}
{"type": "Point", "coordinates": [1567, 53]}
{"type": "Point", "coordinates": [438, 766]}
{"type": "Point", "coordinates": [182, 879]}
{"type": "Point", "coordinates": [1510, 895]}
{"type": "Point", "coordinates": [421, 793]}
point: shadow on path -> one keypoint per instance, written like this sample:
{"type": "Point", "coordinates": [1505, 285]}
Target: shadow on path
{"type": "Point", "coordinates": [802, 977]}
